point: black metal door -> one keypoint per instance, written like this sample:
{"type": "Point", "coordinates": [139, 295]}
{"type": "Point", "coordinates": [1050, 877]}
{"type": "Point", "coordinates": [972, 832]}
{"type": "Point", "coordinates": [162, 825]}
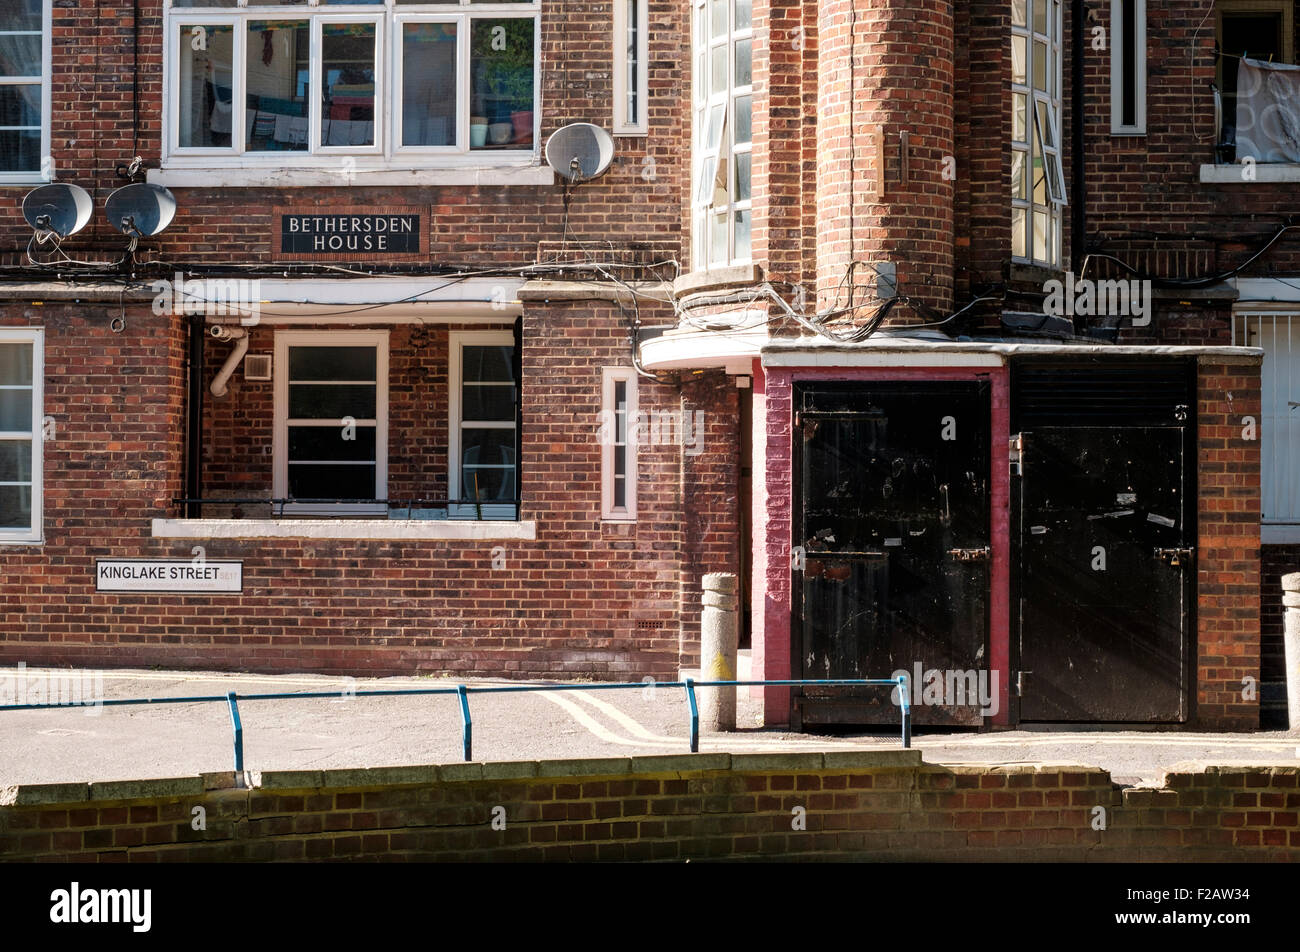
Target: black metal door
{"type": "Point", "coordinates": [892, 532]}
{"type": "Point", "coordinates": [1106, 565]}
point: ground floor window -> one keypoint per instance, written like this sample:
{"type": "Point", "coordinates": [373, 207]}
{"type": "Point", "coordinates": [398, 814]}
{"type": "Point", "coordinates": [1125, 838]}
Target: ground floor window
{"type": "Point", "coordinates": [330, 442]}
{"type": "Point", "coordinates": [483, 431]}
{"type": "Point", "coordinates": [618, 444]}
{"type": "Point", "coordinates": [21, 379]}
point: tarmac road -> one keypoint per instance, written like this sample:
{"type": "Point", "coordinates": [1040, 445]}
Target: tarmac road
{"type": "Point", "coordinates": [77, 744]}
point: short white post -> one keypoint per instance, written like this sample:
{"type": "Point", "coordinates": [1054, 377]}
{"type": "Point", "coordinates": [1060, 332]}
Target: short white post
{"type": "Point", "coordinates": [1291, 645]}
{"type": "Point", "coordinates": [719, 633]}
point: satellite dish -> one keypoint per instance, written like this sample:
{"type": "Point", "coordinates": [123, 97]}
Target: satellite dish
{"type": "Point", "coordinates": [62, 209]}
{"type": "Point", "coordinates": [140, 210]}
{"type": "Point", "coordinates": [580, 151]}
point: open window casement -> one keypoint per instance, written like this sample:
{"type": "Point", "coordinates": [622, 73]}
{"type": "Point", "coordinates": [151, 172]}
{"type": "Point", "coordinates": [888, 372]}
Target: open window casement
{"type": "Point", "coordinates": [1050, 149]}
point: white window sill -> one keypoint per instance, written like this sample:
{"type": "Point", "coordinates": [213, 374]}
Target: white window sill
{"type": "Point", "coordinates": [1264, 172]}
{"type": "Point", "coordinates": [343, 529]}
{"type": "Point", "coordinates": [333, 178]}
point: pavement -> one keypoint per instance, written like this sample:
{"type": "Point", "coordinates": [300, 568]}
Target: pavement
{"type": "Point", "coordinates": [82, 744]}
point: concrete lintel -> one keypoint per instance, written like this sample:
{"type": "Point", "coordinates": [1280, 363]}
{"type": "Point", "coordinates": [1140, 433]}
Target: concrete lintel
{"type": "Point", "coordinates": [357, 777]}
{"type": "Point", "coordinates": [146, 789]}
{"type": "Point", "coordinates": [777, 761]}
{"type": "Point", "coordinates": [344, 529]}
{"type": "Point", "coordinates": [586, 767]}
{"type": "Point", "coordinates": [896, 757]}
{"type": "Point", "coordinates": [680, 763]}
{"type": "Point", "coordinates": [284, 779]}
{"type": "Point", "coordinates": [35, 794]}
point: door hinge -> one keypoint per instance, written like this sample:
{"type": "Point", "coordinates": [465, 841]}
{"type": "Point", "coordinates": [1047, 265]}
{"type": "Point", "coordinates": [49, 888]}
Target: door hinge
{"type": "Point", "coordinates": [971, 555]}
{"type": "Point", "coordinates": [1015, 446]}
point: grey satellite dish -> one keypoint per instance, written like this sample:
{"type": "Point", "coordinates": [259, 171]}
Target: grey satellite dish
{"type": "Point", "coordinates": [62, 209]}
{"type": "Point", "coordinates": [580, 151]}
{"type": "Point", "coordinates": [141, 210]}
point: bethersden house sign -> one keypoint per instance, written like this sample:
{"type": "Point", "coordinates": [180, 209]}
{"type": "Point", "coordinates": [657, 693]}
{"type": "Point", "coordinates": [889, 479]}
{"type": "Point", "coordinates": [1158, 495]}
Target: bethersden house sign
{"type": "Point", "coordinates": [349, 234]}
{"type": "Point", "coordinates": [196, 576]}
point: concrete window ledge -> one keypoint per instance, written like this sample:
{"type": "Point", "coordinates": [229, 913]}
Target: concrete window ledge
{"type": "Point", "coordinates": [1264, 172]}
{"type": "Point", "coordinates": [225, 177]}
{"type": "Point", "coordinates": [343, 529]}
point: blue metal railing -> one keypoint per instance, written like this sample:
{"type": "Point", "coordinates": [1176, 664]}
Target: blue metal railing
{"type": "Point", "coordinates": [463, 691]}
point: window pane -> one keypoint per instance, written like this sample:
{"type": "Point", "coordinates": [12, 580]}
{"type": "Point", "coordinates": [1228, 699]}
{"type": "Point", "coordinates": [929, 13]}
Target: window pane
{"type": "Point", "coordinates": [16, 365]}
{"type": "Point", "coordinates": [1018, 12]}
{"type": "Point", "coordinates": [429, 84]}
{"type": "Point", "coordinates": [744, 62]}
{"type": "Point", "coordinates": [206, 77]}
{"type": "Point", "coordinates": [718, 17]}
{"type": "Point", "coordinates": [1018, 233]}
{"type": "Point", "coordinates": [331, 443]}
{"type": "Point", "coordinates": [346, 481]}
{"type": "Point", "coordinates": [501, 70]}
{"type": "Point", "coordinates": [20, 105]}
{"type": "Point", "coordinates": [481, 403]}
{"type": "Point", "coordinates": [1040, 16]}
{"type": "Point", "coordinates": [16, 411]}
{"type": "Point", "coordinates": [332, 363]}
{"type": "Point", "coordinates": [718, 69]}
{"type": "Point", "coordinates": [480, 484]}
{"type": "Point", "coordinates": [20, 54]}
{"type": "Point", "coordinates": [347, 84]}
{"type": "Point", "coordinates": [278, 85]}
{"type": "Point", "coordinates": [743, 222]}
{"type": "Point", "coordinates": [15, 461]}
{"type": "Point", "coordinates": [331, 401]}
{"type": "Point", "coordinates": [708, 175]}
{"type": "Point", "coordinates": [20, 150]}
{"type": "Point", "coordinates": [714, 134]}
{"type": "Point", "coordinates": [744, 109]}
{"type": "Point", "coordinates": [1019, 116]}
{"type": "Point", "coordinates": [1019, 186]}
{"type": "Point", "coordinates": [1040, 66]}
{"type": "Point", "coordinates": [718, 240]}
{"type": "Point", "coordinates": [1019, 45]}
{"type": "Point", "coordinates": [620, 487]}
{"type": "Point", "coordinates": [1040, 237]}
{"type": "Point", "coordinates": [19, 15]}
{"type": "Point", "coordinates": [743, 177]}
{"type": "Point", "coordinates": [15, 507]}
{"type": "Point", "coordinates": [490, 364]}
{"type": "Point", "coordinates": [744, 14]}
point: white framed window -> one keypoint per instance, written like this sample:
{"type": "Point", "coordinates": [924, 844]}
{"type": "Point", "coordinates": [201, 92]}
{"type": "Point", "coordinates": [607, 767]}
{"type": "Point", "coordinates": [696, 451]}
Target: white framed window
{"type": "Point", "coordinates": [618, 432]}
{"type": "Point", "coordinates": [721, 197]}
{"type": "Point", "coordinates": [1038, 192]}
{"type": "Point", "coordinates": [1278, 333]}
{"type": "Point", "coordinates": [22, 378]}
{"type": "Point", "coordinates": [631, 66]}
{"type": "Point", "coordinates": [352, 86]}
{"type": "Point", "coordinates": [25, 91]}
{"type": "Point", "coordinates": [1128, 67]}
{"type": "Point", "coordinates": [330, 437]}
{"type": "Point", "coordinates": [482, 444]}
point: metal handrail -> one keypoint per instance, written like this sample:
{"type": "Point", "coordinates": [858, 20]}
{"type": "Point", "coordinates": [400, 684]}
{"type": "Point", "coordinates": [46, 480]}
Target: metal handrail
{"type": "Point", "coordinates": [462, 691]}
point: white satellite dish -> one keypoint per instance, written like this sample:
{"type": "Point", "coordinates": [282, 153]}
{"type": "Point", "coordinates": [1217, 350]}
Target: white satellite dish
{"type": "Point", "coordinates": [580, 151]}
{"type": "Point", "coordinates": [59, 208]}
{"type": "Point", "coordinates": [140, 210]}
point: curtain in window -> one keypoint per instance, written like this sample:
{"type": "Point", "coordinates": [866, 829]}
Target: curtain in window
{"type": "Point", "coordinates": [1268, 111]}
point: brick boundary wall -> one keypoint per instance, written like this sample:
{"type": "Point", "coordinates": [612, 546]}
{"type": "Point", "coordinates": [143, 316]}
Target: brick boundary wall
{"type": "Point", "coordinates": [858, 805]}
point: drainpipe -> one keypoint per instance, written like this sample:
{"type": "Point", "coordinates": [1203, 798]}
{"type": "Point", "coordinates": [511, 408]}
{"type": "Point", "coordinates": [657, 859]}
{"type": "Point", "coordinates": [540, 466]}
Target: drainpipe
{"type": "Point", "coordinates": [194, 469]}
{"type": "Point", "coordinates": [240, 337]}
{"type": "Point", "coordinates": [1078, 212]}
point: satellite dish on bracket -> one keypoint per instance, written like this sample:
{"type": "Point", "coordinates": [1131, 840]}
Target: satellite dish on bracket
{"type": "Point", "coordinates": [580, 151]}
{"type": "Point", "coordinates": [60, 209]}
{"type": "Point", "coordinates": [140, 210]}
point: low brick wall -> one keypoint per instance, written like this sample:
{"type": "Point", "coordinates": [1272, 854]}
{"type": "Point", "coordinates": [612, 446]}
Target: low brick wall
{"type": "Point", "coordinates": [877, 805]}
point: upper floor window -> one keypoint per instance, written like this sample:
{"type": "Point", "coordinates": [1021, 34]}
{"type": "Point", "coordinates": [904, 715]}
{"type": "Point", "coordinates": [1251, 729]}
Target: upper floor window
{"type": "Point", "coordinates": [24, 90]}
{"type": "Point", "coordinates": [1128, 67]}
{"type": "Point", "coordinates": [631, 66]}
{"type": "Point", "coordinates": [723, 109]}
{"type": "Point", "coordinates": [1037, 175]}
{"type": "Point", "coordinates": [352, 84]}
{"type": "Point", "coordinates": [1255, 79]}
{"type": "Point", "coordinates": [21, 380]}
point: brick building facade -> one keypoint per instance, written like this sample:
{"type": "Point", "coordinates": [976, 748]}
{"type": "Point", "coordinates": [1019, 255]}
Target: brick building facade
{"type": "Point", "coordinates": [812, 209]}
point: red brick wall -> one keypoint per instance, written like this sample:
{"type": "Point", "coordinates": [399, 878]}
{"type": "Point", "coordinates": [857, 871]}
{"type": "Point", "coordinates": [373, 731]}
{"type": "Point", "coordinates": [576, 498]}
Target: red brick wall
{"type": "Point", "coordinates": [586, 598]}
{"type": "Point", "coordinates": [869, 806]}
{"type": "Point", "coordinates": [1228, 550]}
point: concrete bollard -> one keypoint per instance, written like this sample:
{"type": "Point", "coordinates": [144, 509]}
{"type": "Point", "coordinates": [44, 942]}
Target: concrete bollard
{"type": "Point", "coordinates": [1291, 645]}
{"type": "Point", "coordinates": [719, 633]}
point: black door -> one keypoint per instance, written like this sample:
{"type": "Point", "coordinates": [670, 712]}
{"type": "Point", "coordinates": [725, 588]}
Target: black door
{"type": "Point", "coordinates": [892, 532]}
{"type": "Point", "coordinates": [1106, 564]}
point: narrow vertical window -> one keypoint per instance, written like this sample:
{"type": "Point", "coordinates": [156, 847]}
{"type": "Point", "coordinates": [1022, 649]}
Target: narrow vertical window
{"type": "Point", "coordinates": [631, 69]}
{"type": "Point", "coordinates": [618, 433]}
{"type": "Point", "coordinates": [482, 481]}
{"type": "Point", "coordinates": [21, 379]}
{"type": "Point", "coordinates": [1128, 67]}
{"type": "Point", "coordinates": [1038, 191]}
